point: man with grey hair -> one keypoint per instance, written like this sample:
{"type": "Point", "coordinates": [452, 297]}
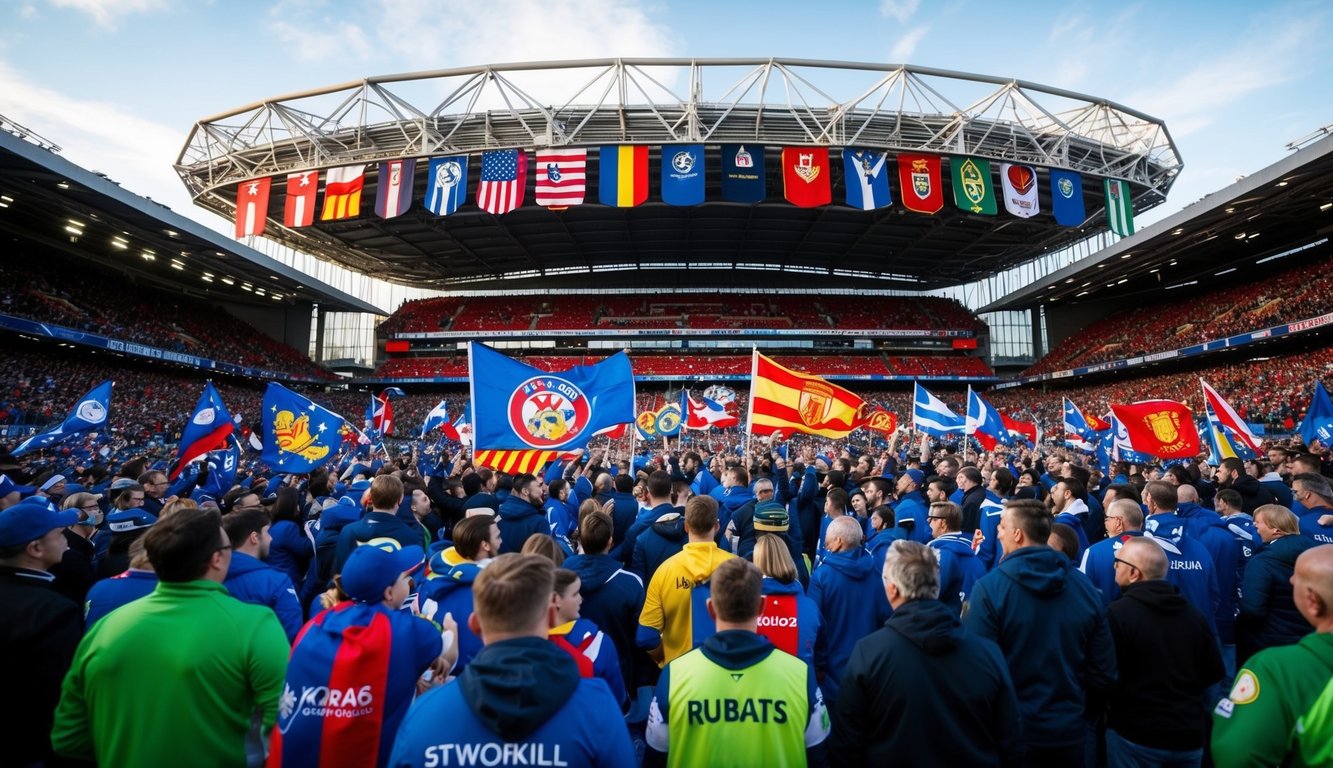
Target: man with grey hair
{"type": "Point", "coordinates": [883, 718]}
{"type": "Point", "coordinates": [847, 589]}
{"type": "Point", "coordinates": [1158, 712]}
{"type": "Point", "coordinates": [1124, 523]}
{"type": "Point", "coordinates": [740, 531]}
{"type": "Point", "coordinates": [1316, 498]}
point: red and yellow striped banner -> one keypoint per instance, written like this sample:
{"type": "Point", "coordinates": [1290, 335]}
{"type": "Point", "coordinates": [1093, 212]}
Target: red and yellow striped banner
{"type": "Point", "coordinates": [781, 398]}
{"type": "Point", "coordinates": [517, 462]}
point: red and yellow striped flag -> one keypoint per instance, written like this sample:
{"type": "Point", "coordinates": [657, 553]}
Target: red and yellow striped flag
{"type": "Point", "coordinates": [342, 192]}
{"type": "Point", "coordinates": [517, 462]}
{"type": "Point", "coordinates": [781, 398]}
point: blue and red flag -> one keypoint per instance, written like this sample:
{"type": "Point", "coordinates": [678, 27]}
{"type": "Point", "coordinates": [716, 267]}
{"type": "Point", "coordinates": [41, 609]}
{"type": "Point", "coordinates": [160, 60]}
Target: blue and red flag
{"type": "Point", "coordinates": [985, 423]}
{"type": "Point", "coordinates": [206, 431]}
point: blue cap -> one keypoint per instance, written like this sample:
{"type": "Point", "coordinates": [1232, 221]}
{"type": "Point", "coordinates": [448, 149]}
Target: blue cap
{"type": "Point", "coordinates": [8, 486]}
{"type": "Point", "coordinates": [31, 519]}
{"type": "Point", "coordinates": [126, 520]}
{"type": "Point", "coordinates": [917, 476]}
{"type": "Point", "coordinates": [370, 570]}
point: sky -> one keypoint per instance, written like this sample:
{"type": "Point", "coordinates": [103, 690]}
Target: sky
{"type": "Point", "coordinates": [117, 84]}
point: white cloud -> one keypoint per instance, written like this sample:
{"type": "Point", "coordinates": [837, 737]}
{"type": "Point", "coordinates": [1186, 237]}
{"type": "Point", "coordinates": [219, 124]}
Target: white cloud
{"type": "Point", "coordinates": [902, 51]}
{"type": "Point", "coordinates": [901, 10]}
{"type": "Point", "coordinates": [340, 41]}
{"type": "Point", "coordinates": [99, 135]}
{"type": "Point", "coordinates": [28, 11]}
{"type": "Point", "coordinates": [106, 13]}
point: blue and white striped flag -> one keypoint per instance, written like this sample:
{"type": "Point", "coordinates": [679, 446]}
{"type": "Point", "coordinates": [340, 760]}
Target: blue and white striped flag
{"type": "Point", "coordinates": [932, 416]}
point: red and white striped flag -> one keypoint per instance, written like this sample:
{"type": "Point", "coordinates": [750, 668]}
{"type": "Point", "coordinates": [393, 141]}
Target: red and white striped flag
{"type": "Point", "coordinates": [504, 174]}
{"type": "Point", "coordinates": [251, 207]}
{"type": "Point", "coordinates": [562, 177]}
{"type": "Point", "coordinates": [299, 211]}
{"type": "Point", "coordinates": [1229, 418]}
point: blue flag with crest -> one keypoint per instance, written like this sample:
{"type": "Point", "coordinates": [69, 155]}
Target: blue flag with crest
{"type": "Point", "coordinates": [1318, 421]}
{"type": "Point", "coordinates": [88, 414]}
{"type": "Point", "coordinates": [446, 184]}
{"type": "Point", "coordinates": [867, 178]}
{"type": "Point", "coordinates": [1067, 198]}
{"type": "Point", "coordinates": [683, 174]}
{"type": "Point", "coordinates": [299, 436]}
{"type": "Point", "coordinates": [743, 173]}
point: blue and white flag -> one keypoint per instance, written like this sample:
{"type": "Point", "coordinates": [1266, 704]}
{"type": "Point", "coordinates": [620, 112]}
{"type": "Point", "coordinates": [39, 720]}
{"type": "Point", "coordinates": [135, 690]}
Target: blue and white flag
{"type": "Point", "coordinates": [1077, 432]}
{"type": "Point", "coordinates": [867, 179]}
{"type": "Point", "coordinates": [438, 417]}
{"type": "Point", "coordinates": [206, 430]}
{"type": "Point", "coordinates": [516, 406]}
{"type": "Point", "coordinates": [683, 174]}
{"type": "Point", "coordinates": [743, 173]}
{"type": "Point", "coordinates": [1318, 421]}
{"type": "Point", "coordinates": [446, 184]}
{"type": "Point", "coordinates": [932, 416]}
{"type": "Point", "coordinates": [88, 414]}
{"type": "Point", "coordinates": [983, 419]}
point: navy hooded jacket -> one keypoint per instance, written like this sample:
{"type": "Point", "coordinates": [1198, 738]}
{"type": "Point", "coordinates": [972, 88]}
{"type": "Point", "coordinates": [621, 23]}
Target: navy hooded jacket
{"type": "Point", "coordinates": [1268, 615]}
{"type": "Point", "coordinates": [524, 692]}
{"type": "Point", "coordinates": [451, 593]}
{"type": "Point", "coordinates": [665, 538]}
{"type": "Point", "coordinates": [613, 600]}
{"type": "Point", "coordinates": [1190, 564]}
{"type": "Point", "coordinates": [850, 595]}
{"type": "Point", "coordinates": [959, 568]}
{"type": "Point", "coordinates": [924, 691]}
{"type": "Point", "coordinates": [518, 520]}
{"type": "Point", "coordinates": [290, 551]}
{"type": "Point", "coordinates": [1209, 529]}
{"type": "Point", "coordinates": [624, 511]}
{"type": "Point", "coordinates": [1051, 627]}
{"type": "Point", "coordinates": [624, 550]}
{"type": "Point", "coordinates": [253, 581]}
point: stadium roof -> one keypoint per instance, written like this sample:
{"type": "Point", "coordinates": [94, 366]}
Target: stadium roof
{"type": "Point", "coordinates": [48, 200]}
{"type": "Point", "coordinates": [1280, 211]}
{"type": "Point", "coordinates": [659, 102]}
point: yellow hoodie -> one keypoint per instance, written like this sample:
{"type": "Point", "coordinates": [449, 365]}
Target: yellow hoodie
{"type": "Point", "coordinates": [667, 606]}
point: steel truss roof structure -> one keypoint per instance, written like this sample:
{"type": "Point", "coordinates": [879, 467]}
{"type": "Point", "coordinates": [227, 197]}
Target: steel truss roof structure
{"type": "Point", "coordinates": [768, 102]}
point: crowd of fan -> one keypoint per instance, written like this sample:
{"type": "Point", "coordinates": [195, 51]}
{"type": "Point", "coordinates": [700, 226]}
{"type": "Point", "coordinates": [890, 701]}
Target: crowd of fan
{"type": "Point", "coordinates": [51, 290]}
{"type": "Point", "coordinates": [704, 311]}
{"type": "Point", "coordinates": [1295, 294]}
{"type": "Point", "coordinates": [1097, 617]}
{"type": "Point", "coordinates": [649, 364]}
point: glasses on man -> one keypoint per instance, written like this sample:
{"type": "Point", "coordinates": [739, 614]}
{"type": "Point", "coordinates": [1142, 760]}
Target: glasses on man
{"type": "Point", "coordinates": [1127, 564]}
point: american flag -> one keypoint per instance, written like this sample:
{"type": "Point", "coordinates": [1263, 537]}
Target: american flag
{"type": "Point", "coordinates": [561, 176]}
{"type": "Point", "coordinates": [504, 173]}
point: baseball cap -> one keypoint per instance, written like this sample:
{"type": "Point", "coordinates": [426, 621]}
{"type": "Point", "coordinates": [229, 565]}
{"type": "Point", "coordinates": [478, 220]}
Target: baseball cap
{"type": "Point", "coordinates": [52, 482]}
{"type": "Point", "coordinates": [917, 476]}
{"type": "Point", "coordinates": [8, 486]}
{"type": "Point", "coordinates": [771, 516]}
{"type": "Point", "coordinates": [122, 483]}
{"type": "Point", "coordinates": [370, 570]}
{"type": "Point", "coordinates": [126, 520]}
{"type": "Point", "coordinates": [31, 519]}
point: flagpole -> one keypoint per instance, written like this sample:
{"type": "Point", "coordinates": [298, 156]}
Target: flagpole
{"type": "Point", "coordinates": [749, 408]}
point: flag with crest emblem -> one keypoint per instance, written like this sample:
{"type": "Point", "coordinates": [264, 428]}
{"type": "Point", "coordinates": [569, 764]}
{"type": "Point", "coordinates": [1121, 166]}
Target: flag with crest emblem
{"type": "Point", "coordinates": [805, 176]}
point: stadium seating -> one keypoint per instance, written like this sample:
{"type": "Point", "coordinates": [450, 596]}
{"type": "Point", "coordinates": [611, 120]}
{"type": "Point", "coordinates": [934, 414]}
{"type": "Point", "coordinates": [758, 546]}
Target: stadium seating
{"type": "Point", "coordinates": [647, 364]}
{"type": "Point", "coordinates": [1294, 294]}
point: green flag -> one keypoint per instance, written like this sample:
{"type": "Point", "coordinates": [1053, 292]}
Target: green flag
{"type": "Point", "coordinates": [973, 189]}
{"type": "Point", "coordinates": [1119, 208]}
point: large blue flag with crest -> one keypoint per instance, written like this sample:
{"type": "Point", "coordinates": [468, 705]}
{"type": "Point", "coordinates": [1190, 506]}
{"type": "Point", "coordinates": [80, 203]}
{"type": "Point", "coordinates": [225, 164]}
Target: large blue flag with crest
{"type": "Point", "coordinates": [516, 406]}
{"type": "Point", "coordinates": [683, 174]}
{"type": "Point", "coordinates": [207, 429]}
{"type": "Point", "coordinates": [299, 435]}
{"type": "Point", "coordinates": [1067, 198]}
{"type": "Point", "coordinates": [446, 184]}
{"type": "Point", "coordinates": [743, 173]}
{"type": "Point", "coordinates": [88, 414]}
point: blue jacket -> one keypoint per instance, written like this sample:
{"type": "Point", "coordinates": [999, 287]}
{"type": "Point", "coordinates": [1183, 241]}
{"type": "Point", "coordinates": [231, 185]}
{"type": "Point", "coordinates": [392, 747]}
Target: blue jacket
{"type": "Point", "coordinates": [1098, 564]}
{"type": "Point", "coordinates": [991, 509]}
{"type": "Point", "coordinates": [1280, 490]}
{"type": "Point", "coordinates": [624, 550]}
{"type": "Point", "coordinates": [1207, 527]}
{"type": "Point", "coordinates": [1191, 566]}
{"type": "Point", "coordinates": [879, 544]}
{"type": "Point", "coordinates": [518, 520]}
{"type": "Point", "coordinates": [560, 518]}
{"type": "Point", "coordinates": [1310, 525]}
{"type": "Point", "coordinates": [1268, 615]}
{"type": "Point", "coordinates": [525, 692]}
{"type": "Point", "coordinates": [253, 581]}
{"type": "Point", "coordinates": [624, 512]}
{"type": "Point", "coordinates": [586, 638]}
{"type": "Point", "coordinates": [913, 507]}
{"type": "Point", "coordinates": [109, 594]}
{"type": "Point", "coordinates": [809, 622]}
{"type": "Point", "coordinates": [665, 538]}
{"type": "Point", "coordinates": [376, 525]}
{"type": "Point", "coordinates": [959, 568]}
{"type": "Point", "coordinates": [451, 593]}
{"type": "Point", "coordinates": [613, 600]}
{"type": "Point", "coordinates": [729, 500]}
{"type": "Point", "coordinates": [290, 551]}
{"type": "Point", "coordinates": [924, 691]}
{"type": "Point", "coordinates": [849, 593]}
{"type": "Point", "coordinates": [1076, 516]}
{"type": "Point", "coordinates": [1051, 627]}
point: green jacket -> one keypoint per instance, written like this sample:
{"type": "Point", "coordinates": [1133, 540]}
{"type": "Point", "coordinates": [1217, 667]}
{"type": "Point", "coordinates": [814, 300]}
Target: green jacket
{"type": "Point", "coordinates": [1257, 724]}
{"type": "Point", "coordinates": [172, 678]}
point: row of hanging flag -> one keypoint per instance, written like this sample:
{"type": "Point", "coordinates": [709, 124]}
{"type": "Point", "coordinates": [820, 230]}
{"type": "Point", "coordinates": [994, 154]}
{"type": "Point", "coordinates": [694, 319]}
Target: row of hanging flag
{"type": "Point", "coordinates": [623, 182]}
